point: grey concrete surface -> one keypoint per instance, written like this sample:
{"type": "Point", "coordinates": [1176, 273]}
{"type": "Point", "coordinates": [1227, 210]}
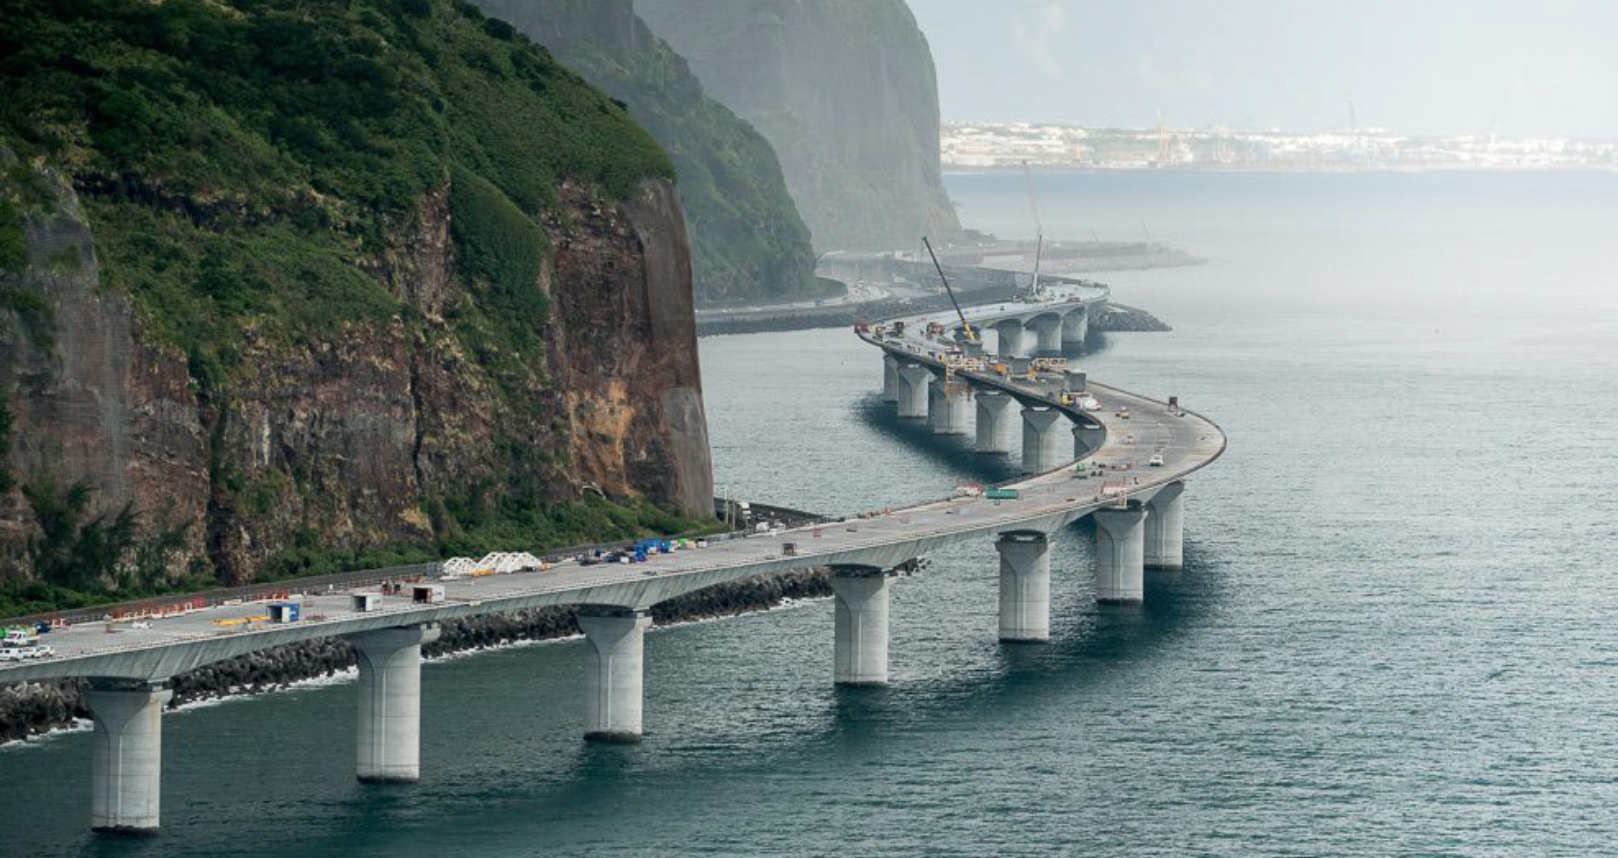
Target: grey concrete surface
{"type": "Point", "coordinates": [1165, 528]}
{"type": "Point", "coordinates": [914, 381]}
{"type": "Point", "coordinates": [993, 427]}
{"type": "Point", "coordinates": [613, 686]}
{"type": "Point", "coordinates": [126, 762]}
{"type": "Point", "coordinates": [949, 410]}
{"type": "Point", "coordinates": [1042, 435]}
{"type": "Point", "coordinates": [1120, 554]}
{"type": "Point", "coordinates": [388, 741]}
{"type": "Point", "coordinates": [1025, 586]}
{"type": "Point", "coordinates": [860, 626]}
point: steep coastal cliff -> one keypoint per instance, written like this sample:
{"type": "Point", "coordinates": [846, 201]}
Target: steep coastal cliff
{"type": "Point", "coordinates": [844, 90]}
{"type": "Point", "coordinates": [747, 240]}
{"type": "Point", "coordinates": [287, 286]}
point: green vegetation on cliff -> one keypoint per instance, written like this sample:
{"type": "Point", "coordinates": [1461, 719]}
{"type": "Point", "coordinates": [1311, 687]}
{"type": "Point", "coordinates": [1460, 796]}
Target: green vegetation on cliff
{"type": "Point", "coordinates": [257, 176]}
{"type": "Point", "coordinates": [747, 240]}
{"type": "Point", "coordinates": [248, 161]}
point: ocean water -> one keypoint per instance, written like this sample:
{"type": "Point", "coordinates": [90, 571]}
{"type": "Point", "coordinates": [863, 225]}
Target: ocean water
{"type": "Point", "coordinates": [1396, 632]}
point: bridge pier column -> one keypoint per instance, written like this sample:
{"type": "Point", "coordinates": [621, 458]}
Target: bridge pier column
{"type": "Point", "coordinates": [860, 654]}
{"type": "Point", "coordinates": [1165, 522]}
{"type": "Point", "coordinates": [992, 423]}
{"type": "Point", "coordinates": [890, 378]}
{"type": "Point", "coordinates": [1025, 586]}
{"type": "Point", "coordinates": [1087, 439]}
{"type": "Point", "coordinates": [1075, 330]}
{"type": "Point", "coordinates": [913, 382]}
{"type": "Point", "coordinates": [1041, 444]}
{"type": "Point", "coordinates": [126, 761]}
{"type": "Point", "coordinates": [613, 689]}
{"type": "Point", "coordinates": [1008, 336]}
{"type": "Point", "coordinates": [949, 408]}
{"type": "Point", "coordinates": [1120, 555]}
{"type": "Point", "coordinates": [389, 739]}
{"type": "Point", "coordinates": [1048, 335]}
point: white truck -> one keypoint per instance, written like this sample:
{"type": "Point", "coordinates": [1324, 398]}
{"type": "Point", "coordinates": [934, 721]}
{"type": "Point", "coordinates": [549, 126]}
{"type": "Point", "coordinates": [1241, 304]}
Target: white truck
{"type": "Point", "coordinates": [19, 645]}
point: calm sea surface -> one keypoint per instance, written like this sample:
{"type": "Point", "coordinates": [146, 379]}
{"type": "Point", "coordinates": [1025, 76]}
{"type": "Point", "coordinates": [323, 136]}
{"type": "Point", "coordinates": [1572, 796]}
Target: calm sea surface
{"type": "Point", "coordinates": [1396, 633]}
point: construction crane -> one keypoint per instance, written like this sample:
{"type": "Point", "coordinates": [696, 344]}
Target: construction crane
{"type": "Point", "coordinates": [1165, 153]}
{"type": "Point", "coordinates": [1039, 228]}
{"type": "Point", "coordinates": [971, 335]}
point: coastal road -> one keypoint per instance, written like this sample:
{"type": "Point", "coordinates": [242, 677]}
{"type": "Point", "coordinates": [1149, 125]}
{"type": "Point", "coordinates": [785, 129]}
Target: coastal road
{"type": "Point", "coordinates": [163, 647]}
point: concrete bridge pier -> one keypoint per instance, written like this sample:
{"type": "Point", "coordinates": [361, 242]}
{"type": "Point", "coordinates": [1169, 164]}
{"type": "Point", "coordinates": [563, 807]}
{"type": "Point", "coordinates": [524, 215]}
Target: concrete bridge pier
{"type": "Point", "coordinates": [1048, 335]}
{"type": "Point", "coordinates": [126, 760]}
{"type": "Point", "coordinates": [1008, 336]}
{"type": "Point", "coordinates": [992, 424]}
{"type": "Point", "coordinates": [389, 739]}
{"type": "Point", "coordinates": [613, 689]}
{"type": "Point", "coordinates": [860, 654]}
{"type": "Point", "coordinates": [1075, 330]}
{"type": "Point", "coordinates": [949, 408]}
{"type": "Point", "coordinates": [1120, 555]}
{"type": "Point", "coordinates": [1087, 439]}
{"type": "Point", "coordinates": [1041, 443]}
{"type": "Point", "coordinates": [890, 378]}
{"type": "Point", "coordinates": [913, 382]}
{"type": "Point", "coordinates": [1165, 527]}
{"type": "Point", "coordinates": [1025, 586]}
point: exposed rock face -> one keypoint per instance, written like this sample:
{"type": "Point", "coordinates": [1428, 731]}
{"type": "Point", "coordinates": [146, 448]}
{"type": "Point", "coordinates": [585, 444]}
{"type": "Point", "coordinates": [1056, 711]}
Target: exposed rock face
{"type": "Point", "coordinates": [1113, 317]}
{"type": "Point", "coordinates": [348, 438]}
{"type": "Point", "coordinates": [747, 239]}
{"type": "Point", "coordinates": [844, 90]}
{"type": "Point", "coordinates": [99, 400]}
{"type": "Point", "coordinates": [627, 354]}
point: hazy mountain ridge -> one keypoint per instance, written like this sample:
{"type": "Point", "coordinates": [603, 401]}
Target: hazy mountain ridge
{"type": "Point", "coordinates": [846, 92]}
{"type": "Point", "coordinates": [748, 242]}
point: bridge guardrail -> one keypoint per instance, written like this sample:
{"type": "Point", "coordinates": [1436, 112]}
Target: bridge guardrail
{"type": "Point", "coordinates": [156, 605]}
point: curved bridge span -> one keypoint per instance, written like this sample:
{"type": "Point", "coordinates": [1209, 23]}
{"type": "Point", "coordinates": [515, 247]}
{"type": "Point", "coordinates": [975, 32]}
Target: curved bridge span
{"type": "Point", "coordinates": [1086, 449]}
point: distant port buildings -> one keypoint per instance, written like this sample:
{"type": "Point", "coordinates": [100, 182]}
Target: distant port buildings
{"type": "Point", "coordinates": [991, 144]}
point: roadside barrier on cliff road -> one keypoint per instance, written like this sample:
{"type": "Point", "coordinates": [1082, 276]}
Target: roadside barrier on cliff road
{"type": "Point", "coordinates": [180, 603]}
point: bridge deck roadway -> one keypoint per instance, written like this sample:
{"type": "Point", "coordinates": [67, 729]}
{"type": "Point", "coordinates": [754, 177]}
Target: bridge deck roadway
{"type": "Point", "coordinates": [1066, 296]}
{"type": "Point", "coordinates": [1048, 501]}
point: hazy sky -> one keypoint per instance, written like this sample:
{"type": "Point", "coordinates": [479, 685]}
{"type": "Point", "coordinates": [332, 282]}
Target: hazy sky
{"type": "Point", "coordinates": [1521, 67]}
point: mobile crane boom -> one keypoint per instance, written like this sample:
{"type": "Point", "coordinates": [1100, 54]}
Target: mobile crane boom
{"type": "Point", "coordinates": [971, 335]}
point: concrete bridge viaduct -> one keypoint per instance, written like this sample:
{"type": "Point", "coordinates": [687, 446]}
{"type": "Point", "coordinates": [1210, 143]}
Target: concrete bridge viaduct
{"type": "Point", "coordinates": [1138, 512]}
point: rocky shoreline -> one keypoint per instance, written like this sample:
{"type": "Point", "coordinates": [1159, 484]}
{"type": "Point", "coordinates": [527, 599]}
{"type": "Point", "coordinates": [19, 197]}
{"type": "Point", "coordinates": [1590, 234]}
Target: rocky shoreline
{"type": "Point", "coordinates": [1118, 318]}
{"type": "Point", "coordinates": [32, 708]}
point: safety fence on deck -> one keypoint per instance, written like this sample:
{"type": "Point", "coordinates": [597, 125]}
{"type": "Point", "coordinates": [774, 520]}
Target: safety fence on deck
{"type": "Point", "coordinates": [179, 603]}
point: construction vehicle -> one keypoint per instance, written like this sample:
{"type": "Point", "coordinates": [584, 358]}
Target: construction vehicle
{"type": "Point", "coordinates": [19, 645]}
{"type": "Point", "coordinates": [971, 335]}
